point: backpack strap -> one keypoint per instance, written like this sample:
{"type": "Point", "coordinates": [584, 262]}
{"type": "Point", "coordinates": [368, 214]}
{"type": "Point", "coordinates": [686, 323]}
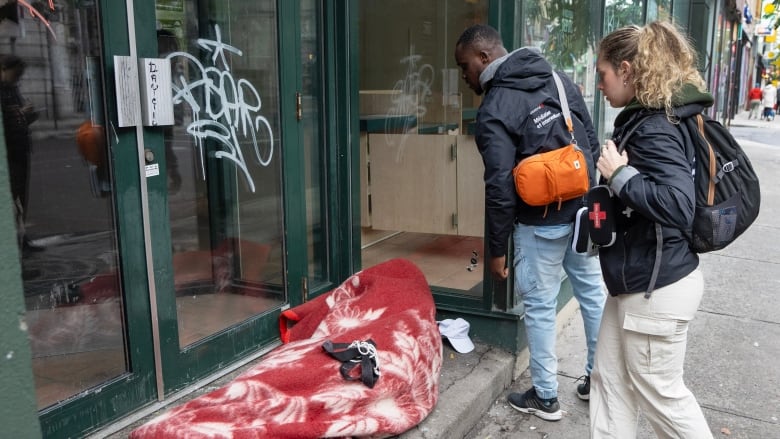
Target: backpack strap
{"type": "Point", "coordinates": [659, 246]}
{"type": "Point", "coordinates": [659, 237]}
{"type": "Point", "coordinates": [564, 106]}
{"type": "Point", "coordinates": [715, 176]}
{"type": "Point", "coordinates": [566, 112]}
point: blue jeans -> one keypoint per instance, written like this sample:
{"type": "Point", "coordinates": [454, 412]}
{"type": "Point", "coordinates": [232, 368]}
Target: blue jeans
{"type": "Point", "coordinates": [542, 255]}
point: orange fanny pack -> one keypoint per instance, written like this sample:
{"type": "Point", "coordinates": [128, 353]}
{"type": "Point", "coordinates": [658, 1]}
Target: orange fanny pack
{"type": "Point", "coordinates": [553, 176]}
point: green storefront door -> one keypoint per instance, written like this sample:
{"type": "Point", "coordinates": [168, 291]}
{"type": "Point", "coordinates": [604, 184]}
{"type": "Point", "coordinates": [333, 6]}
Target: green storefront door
{"type": "Point", "coordinates": [217, 204]}
{"type": "Point", "coordinates": [159, 245]}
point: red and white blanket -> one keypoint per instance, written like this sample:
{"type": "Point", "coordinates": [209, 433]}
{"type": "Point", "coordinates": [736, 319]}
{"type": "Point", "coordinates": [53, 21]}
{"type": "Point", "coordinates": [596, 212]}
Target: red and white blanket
{"type": "Point", "coordinates": [296, 391]}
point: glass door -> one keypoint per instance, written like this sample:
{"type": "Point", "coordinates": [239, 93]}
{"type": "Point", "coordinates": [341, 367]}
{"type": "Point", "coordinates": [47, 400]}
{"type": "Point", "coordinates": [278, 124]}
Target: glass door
{"type": "Point", "coordinates": [222, 177]}
{"type": "Point", "coordinates": [52, 90]}
{"type": "Point", "coordinates": [155, 254]}
{"type": "Point", "coordinates": [215, 182]}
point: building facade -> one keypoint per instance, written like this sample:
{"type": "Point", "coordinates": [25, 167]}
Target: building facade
{"type": "Point", "coordinates": [181, 171]}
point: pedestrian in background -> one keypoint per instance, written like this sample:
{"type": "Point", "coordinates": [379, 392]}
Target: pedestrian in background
{"type": "Point", "coordinates": [18, 114]}
{"type": "Point", "coordinates": [651, 71]}
{"type": "Point", "coordinates": [754, 101]}
{"type": "Point", "coordinates": [768, 100]}
{"type": "Point", "coordinates": [519, 88]}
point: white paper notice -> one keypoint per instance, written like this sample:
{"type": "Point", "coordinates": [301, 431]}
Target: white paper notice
{"type": "Point", "coordinates": [127, 100]}
{"type": "Point", "coordinates": [156, 91]}
{"type": "Point", "coordinates": [152, 170]}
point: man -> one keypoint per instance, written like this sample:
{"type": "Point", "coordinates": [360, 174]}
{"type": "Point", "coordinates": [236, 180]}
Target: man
{"type": "Point", "coordinates": [520, 113]}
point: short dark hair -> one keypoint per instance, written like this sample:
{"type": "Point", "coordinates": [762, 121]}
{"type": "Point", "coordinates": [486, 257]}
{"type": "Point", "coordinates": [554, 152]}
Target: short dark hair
{"type": "Point", "coordinates": [479, 33]}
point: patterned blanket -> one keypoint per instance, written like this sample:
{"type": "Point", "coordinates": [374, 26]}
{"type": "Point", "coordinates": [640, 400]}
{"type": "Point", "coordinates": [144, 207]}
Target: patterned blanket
{"type": "Point", "coordinates": [297, 391]}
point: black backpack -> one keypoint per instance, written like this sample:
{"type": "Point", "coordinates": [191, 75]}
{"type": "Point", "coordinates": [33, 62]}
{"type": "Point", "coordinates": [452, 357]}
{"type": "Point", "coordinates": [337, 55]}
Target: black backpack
{"type": "Point", "coordinates": [728, 196]}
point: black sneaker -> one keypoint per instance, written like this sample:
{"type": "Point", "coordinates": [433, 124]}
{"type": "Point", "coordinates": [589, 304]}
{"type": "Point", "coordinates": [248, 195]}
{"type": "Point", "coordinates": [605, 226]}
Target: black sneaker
{"type": "Point", "coordinates": [529, 402]}
{"type": "Point", "coordinates": [583, 390]}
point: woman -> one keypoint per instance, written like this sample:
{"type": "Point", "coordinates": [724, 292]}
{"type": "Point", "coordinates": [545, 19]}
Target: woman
{"type": "Point", "coordinates": [651, 72]}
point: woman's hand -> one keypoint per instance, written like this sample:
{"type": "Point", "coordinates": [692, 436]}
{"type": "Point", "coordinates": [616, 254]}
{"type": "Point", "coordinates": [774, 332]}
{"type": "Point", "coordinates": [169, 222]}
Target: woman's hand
{"type": "Point", "coordinates": [610, 159]}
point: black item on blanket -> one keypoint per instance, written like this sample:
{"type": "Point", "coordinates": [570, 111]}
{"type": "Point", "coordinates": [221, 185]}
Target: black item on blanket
{"type": "Point", "coordinates": [361, 353]}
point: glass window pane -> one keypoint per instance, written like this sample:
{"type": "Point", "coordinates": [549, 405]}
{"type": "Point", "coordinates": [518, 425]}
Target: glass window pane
{"type": "Point", "coordinates": [52, 104]}
{"type": "Point", "coordinates": [619, 13]}
{"type": "Point", "coordinates": [567, 35]}
{"type": "Point", "coordinates": [616, 15]}
{"type": "Point", "coordinates": [223, 162]}
{"type": "Point", "coordinates": [659, 10]}
{"type": "Point", "coordinates": [422, 193]}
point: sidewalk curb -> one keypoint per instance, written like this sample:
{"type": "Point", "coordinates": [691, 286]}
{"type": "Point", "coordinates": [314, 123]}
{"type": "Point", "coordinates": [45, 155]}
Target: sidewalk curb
{"type": "Point", "coordinates": [466, 399]}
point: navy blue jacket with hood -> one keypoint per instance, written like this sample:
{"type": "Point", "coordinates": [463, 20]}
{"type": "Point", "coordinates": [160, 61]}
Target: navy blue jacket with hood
{"type": "Point", "coordinates": [656, 186]}
{"type": "Point", "coordinates": [520, 115]}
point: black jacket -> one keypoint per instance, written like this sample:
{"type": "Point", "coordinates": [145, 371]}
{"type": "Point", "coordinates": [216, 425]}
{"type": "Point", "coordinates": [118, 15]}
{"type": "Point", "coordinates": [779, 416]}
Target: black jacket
{"type": "Point", "coordinates": [655, 187]}
{"type": "Point", "coordinates": [520, 116]}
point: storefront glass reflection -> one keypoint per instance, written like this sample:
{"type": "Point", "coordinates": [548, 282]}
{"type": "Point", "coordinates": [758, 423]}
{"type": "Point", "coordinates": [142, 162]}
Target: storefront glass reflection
{"type": "Point", "coordinates": [223, 162]}
{"type": "Point", "coordinates": [52, 104]}
{"type": "Point", "coordinates": [422, 194]}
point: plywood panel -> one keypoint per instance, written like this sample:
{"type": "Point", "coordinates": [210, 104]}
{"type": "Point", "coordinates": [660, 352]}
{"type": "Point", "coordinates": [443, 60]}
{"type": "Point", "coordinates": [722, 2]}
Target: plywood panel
{"type": "Point", "coordinates": [413, 182]}
{"type": "Point", "coordinates": [471, 188]}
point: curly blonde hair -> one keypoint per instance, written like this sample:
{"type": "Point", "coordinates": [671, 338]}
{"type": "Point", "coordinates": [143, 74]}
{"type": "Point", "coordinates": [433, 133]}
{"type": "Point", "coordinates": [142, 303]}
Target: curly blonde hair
{"type": "Point", "coordinates": [662, 61]}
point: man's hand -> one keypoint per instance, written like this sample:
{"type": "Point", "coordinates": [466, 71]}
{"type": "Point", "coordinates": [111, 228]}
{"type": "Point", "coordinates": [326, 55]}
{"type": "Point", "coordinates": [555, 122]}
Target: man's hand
{"type": "Point", "coordinates": [498, 268]}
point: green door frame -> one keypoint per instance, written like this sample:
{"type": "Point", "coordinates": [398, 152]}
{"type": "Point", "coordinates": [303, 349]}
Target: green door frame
{"type": "Point", "coordinates": [342, 99]}
{"type": "Point", "coordinates": [181, 366]}
{"type": "Point", "coordinates": [339, 98]}
{"type": "Point", "coordinates": [130, 391]}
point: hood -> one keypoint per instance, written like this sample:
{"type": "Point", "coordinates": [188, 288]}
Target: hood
{"type": "Point", "coordinates": [522, 69]}
{"type": "Point", "coordinates": [687, 102]}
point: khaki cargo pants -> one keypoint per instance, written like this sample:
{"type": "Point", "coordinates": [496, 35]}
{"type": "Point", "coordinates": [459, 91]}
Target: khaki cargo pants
{"type": "Point", "coordinates": [639, 364]}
